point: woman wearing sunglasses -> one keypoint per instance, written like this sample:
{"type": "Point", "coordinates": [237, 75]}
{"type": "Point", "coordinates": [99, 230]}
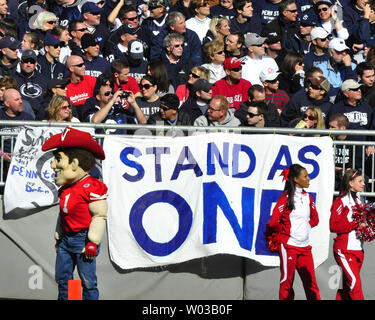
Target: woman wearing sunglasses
{"type": "Point", "coordinates": [347, 249]}
{"type": "Point", "coordinates": [293, 217]}
{"type": "Point", "coordinates": [311, 119]}
{"type": "Point", "coordinates": [214, 51]}
{"type": "Point", "coordinates": [60, 110]}
{"type": "Point", "coordinates": [183, 90]}
{"type": "Point", "coordinates": [328, 19]}
{"type": "Point", "coordinates": [149, 102]}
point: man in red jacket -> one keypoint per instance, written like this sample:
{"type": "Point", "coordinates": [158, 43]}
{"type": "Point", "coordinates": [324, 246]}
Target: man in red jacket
{"type": "Point", "coordinates": [232, 86]}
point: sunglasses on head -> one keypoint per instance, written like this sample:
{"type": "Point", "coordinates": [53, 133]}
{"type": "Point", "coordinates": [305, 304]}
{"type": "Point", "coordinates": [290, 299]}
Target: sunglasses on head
{"type": "Point", "coordinates": [205, 3]}
{"type": "Point", "coordinates": [305, 115]}
{"type": "Point", "coordinates": [236, 69]}
{"type": "Point", "coordinates": [145, 86]}
{"type": "Point", "coordinates": [322, 9]}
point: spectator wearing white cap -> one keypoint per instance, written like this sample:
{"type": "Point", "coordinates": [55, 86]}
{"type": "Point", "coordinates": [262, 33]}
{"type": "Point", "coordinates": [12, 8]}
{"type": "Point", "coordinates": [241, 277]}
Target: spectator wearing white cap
{"type": "Point", "coordinates": [319, 53]}
{"type": "Point", "coordinates": [339, 67]}
{"type": "Point", "coordinates": [256, 60]}
{"type": "Point", "coordinates": [274, 95]}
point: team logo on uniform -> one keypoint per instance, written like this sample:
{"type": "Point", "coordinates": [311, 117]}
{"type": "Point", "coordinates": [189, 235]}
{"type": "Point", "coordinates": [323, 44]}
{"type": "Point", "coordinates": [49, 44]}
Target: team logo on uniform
{"type": "Point", "coordinates": [86, 185]}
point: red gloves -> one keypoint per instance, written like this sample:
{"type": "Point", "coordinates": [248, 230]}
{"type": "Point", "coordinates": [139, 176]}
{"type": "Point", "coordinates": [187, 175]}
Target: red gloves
{"type": "Point", "coordinates": [90, 250]}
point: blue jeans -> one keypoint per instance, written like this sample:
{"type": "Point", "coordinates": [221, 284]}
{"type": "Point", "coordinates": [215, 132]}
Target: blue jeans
{"type": "Point", "coordinates": [69, 255]}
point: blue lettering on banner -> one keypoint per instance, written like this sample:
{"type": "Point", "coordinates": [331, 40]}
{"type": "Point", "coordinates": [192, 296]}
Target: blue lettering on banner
{"type": "Point", "coordinates": [214, 197]}
{"type": "Point", "coordinates": [301, 156]}
{"type": "Point", "coordinates": [124, 159]}
{"type": "Point", "coordinates": [283, 153]}
{"type": "Point", "coordinates": [237, 148]}
{"type": "Point", "coordinates": [212, 151]}
{"type": "Point", "coordinates": [185, 221]}
{"type": "Point", "coordinates": [186, 154]}
{"type": "Point", "coordinates": [158, 151]}
{"type": "Point", "coordinates": [23, 172]}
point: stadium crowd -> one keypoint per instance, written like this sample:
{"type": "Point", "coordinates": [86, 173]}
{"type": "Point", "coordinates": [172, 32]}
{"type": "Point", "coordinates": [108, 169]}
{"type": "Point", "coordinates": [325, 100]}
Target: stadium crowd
{"type": "Point", "coordinates": [251, 63]}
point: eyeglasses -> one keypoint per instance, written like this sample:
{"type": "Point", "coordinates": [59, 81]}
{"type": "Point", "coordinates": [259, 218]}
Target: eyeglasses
{"type": "Point", "coordinates": [292, 11]}
{"type": "Point", "coordinates": [65, 107]}
{"type": "Point", "coordinates": [204, 4]}
{"type": "Point", "coordinates": [236, 69]}
{"type": "Point", "coordinates": [178, 45]}
{"type": "Point", "coordinates": [94, 13]}
{"type": "Point", "coordinates": [81, 30]}
{"type": "Point", "coordinates": [145, 86]}
{"type": "Point", "coordinates": [300, 64]}
{"type": "Point", "coordinates": [32, 61]}
{"type": "Point", "coordinates": [355, 89]}
{"type": "Point", "coordinates": [195, 76]}
{"type": "Point", "coordinates": [305, 115]}
{"type": "Point", "coordinates": [312, 86]}
{"type": "Point", "coordinates": [322, 9]}
{"type": "Point", "coordinates": [107, 93]}
{"type": "Point", "coordinates": [220, 52]}
{"type": "Point", "coordinates": [51, 22]}
{"type": "Point", "coordinates": [56, 46]}
{"type": "Point", "coordinates": [252, 115]}
{"type": "Point", "coordinates": [80, 65]}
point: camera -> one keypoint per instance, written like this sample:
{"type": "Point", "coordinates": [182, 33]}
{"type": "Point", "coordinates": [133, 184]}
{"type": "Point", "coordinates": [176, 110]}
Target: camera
{"type": "Point", "coordinates": [125, 95]}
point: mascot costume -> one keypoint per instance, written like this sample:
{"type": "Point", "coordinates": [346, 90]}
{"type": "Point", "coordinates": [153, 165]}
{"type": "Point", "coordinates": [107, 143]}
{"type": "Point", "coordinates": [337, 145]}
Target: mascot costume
{"type": "Point", "coordinates": [83, 209]}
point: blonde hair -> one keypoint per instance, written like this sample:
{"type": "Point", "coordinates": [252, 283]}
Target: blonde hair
{"type": "Point", "coordinates": [42, 18]}
{"type": "Point", "coordinates": [213, 46]}
{"type": "Point", "coordinates": [216, 22]}
{"type": "Point", "coordinates": [204, 73]}
{"type": "Point", "coordinates": [54, 107]}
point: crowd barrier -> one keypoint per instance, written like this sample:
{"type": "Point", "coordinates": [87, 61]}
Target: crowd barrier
{"type": "Point", "coordinates": [28, 268]}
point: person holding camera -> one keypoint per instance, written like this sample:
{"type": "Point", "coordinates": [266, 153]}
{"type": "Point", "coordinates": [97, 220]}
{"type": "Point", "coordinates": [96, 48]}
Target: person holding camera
{"type": "Point", "coordinates": [107, 106]}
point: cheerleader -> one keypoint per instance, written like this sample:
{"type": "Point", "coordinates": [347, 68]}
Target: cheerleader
{"type": "Point", "coordinates": [293, 217]}
{"type": "Point", "coordinates": [347, 249]}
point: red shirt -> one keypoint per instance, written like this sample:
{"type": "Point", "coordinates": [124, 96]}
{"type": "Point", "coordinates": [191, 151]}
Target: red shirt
{"type": "Point", "coordinates": [131, 85]}
{"type": "Point", "coordinates": [77, 93]}
{"type": "Point", "coordinates": [74, 202]}
{"type": "Point", "coordinates": [235, 94]}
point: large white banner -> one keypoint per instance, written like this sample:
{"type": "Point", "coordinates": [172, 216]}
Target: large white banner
{"type": "Point", "coordinates": [176, 199]}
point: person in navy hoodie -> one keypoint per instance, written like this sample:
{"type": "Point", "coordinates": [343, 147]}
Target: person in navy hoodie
{"type": "Point", "coordinates": [319, 53]}
{"type": "Point", "coordinates": [95, 65]}
{"type": "Point", "coordinates": [244, 21]}
{"type": "Point", "coordinates": [48, 64]}
{"type": "Point", "coordinates": [315, 95]}
{"type": "Point", "coordinates": [32, 83]}
{"type": "Point", "coordinates": [67, 10]}
{"type": "Point", "coordinates": [225, 8]}
{"type": "Point", "coordinates": [355, 14]}
{"type": "Point", "coordinates": [358, 112]}
{"type": "Point", "coordinates": [266, 10]}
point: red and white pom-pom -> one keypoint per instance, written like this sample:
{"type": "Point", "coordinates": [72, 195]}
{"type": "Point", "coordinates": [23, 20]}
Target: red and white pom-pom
{"type": "Point", "coordinates": [272, 239]}
{"type": "Point", "coordinates": [364, 214]}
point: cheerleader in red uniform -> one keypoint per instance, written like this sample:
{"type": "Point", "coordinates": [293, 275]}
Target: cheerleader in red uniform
{"type": "Point", "coordinates": [293, 217]}
{"type": "Point", "coordinates": [347, 249]}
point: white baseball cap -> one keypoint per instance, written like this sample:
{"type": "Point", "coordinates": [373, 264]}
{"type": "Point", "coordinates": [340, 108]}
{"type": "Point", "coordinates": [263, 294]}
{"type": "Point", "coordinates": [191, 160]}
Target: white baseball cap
{"type": "Point", "coordinates": [268, 74]}
{"type": "Point", "coordinates": [318, 33]}
{"type": "Point", "coordinates": [337, 44]}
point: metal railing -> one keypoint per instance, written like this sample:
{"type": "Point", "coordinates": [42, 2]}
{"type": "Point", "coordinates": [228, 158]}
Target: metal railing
{"type": "Point", "coordinates": [160, 131]}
